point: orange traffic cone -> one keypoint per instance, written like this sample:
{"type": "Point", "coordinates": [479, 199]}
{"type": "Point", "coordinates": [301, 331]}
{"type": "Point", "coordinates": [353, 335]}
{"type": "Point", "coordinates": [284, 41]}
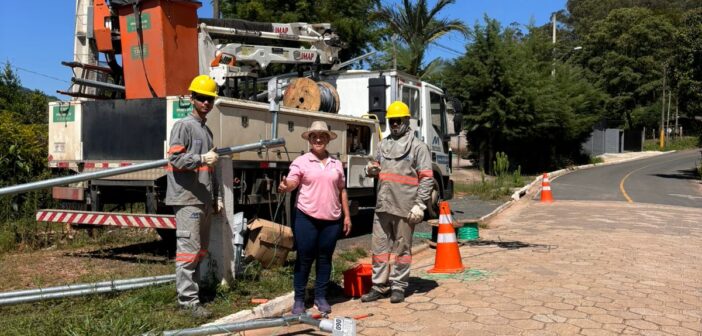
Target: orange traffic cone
{"type": "Point", "coordinates": [448, 257]}
{"type": "Point", "coordinates": [546, 196]}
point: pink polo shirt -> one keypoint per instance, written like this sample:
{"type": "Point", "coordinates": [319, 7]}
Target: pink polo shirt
{"type": "Point", "coordinates": [320, 186]}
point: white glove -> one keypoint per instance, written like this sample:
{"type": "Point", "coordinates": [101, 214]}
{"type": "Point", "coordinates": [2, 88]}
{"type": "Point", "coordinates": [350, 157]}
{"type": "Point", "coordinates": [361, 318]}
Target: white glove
{"type": "Point", "coordinates": [372, 168]}
{"type": "Point", "coordinates": [416, 214]}
{"type": "Point", "coordinates": [219, 205]}
{"type": "Point", "coordinates": [210, 158]}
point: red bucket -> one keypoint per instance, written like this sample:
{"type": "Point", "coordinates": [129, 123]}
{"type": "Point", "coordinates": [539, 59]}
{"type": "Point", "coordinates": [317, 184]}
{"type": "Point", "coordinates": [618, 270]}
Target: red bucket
{"type": "Point", "coordinates": [357, 280]}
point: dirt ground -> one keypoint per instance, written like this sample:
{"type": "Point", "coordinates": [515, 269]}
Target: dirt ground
{"type": "Point", "coordinates": [56, 267]}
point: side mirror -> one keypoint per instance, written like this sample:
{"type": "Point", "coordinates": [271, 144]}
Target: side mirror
{"type": "Point", "coordinates": [458, 123]}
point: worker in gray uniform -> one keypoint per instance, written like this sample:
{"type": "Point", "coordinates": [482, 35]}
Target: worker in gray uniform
{"type": "Point", "coordinates": [191, 160]}
{"type": "Point", "coordinates": [405, 182]}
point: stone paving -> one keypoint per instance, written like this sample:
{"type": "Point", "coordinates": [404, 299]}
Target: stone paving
{"type": "Point", "coordinates": [569, 268]}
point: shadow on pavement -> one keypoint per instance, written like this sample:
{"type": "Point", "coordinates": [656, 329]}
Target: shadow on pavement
{"type": "Point", "coordinates": [510, 245]}
{"type": "Point", "coordinates": [687, 174]}
{"type": "Point", "coordinates": [420, 286]}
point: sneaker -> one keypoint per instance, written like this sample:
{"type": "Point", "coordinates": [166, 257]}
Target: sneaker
{"type": "Point", "coordinates": [298, 307]}
{"type": "Point", "coordinates": [322, 305]}
{"type": "Point", "coordinates": [198, 311]}
{"type": "Point", "coordinates": [397, 296]}
{"type": "Point", "coordinates": [373, 295]}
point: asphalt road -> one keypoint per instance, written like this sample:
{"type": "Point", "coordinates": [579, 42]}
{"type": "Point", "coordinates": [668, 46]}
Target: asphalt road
{"type": "Point", "coordinates": [667, 179]}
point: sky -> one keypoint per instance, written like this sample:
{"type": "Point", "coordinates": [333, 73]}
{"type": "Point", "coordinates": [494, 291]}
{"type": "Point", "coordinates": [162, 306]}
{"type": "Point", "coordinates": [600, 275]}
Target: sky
{"type": "Point", "coordinates": [36, 44]}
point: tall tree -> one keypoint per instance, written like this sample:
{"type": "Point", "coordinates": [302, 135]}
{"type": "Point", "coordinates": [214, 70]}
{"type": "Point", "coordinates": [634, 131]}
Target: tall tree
{"type": "Point", "coordinates": [688, 64]}
{"type": "Point", "coordinates": [514, 105]}
{"type": "Point", "coordinates": [627, 51]}
{"type": "Point", "coordinates": [417, 26]}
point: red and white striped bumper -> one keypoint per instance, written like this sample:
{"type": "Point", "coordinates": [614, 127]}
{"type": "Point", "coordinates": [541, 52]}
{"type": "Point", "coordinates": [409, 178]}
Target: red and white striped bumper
{"type": "Point", "coordinates": [106, 218]}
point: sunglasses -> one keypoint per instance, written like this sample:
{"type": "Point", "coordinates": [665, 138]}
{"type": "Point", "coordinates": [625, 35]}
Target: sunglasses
{"type": "Point", "coordinates": [204, 98]}
{"type": "Point", "coordinates": [395, 121]}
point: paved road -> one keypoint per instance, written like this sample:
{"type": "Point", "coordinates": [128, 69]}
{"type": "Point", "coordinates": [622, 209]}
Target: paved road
{"type": "Point", "coordinates": [666, 179]}
{"type": "Point", "coordinates": [568, 268]}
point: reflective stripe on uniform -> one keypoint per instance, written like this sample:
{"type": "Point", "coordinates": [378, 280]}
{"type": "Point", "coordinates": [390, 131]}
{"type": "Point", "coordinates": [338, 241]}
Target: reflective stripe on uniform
{"type": "Point", "coordinates": [201, 168]}
{"type": "Point", "coordinates": [425, 174]}
{"type": "Point", "coordinates": [397, 178]}
{"type": "Point", "coordinates": [186, 257]}
{"type": "Point", "coordinates": [381, 258]}
{"type": "Point", "coordinates": [406, 259]}
{"type": "Point", "coordinates": [446, 238]}
{"type": "Point", "coordinates": [176, 149]}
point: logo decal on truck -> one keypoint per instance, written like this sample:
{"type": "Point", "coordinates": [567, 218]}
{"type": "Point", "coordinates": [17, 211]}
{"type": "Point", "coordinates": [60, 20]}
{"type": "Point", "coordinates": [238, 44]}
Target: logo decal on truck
{"type": "Point", "coordinates": [64, 114]}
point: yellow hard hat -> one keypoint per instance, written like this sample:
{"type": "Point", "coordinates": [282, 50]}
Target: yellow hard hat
{"type": "Point", "coordinates": [397, 109]}
{"type": "Point", "coordinates": [204, 84]}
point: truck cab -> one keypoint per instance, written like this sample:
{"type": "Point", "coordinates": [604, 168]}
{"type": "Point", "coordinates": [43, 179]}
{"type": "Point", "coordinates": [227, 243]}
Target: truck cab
{"type": "Point", "coordinates": [364, 92]}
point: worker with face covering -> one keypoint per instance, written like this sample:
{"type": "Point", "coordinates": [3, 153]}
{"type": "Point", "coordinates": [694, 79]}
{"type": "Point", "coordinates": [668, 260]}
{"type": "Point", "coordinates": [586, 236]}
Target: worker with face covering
{"type": "Point", "coordinates": [405, 181]}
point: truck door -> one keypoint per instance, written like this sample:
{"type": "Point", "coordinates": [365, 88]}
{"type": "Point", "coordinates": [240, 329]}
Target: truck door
{"type": "Point", "coordinates": [410, 95]}
{"type": "Point", "coordinates": [437, 130]}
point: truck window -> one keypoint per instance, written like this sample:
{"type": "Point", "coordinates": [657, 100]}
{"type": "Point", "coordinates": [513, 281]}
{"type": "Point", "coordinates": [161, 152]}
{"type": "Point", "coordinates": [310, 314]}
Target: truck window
{"type": "Point", "coordinates": [410, 96]}
{"type": "Point", "coordinates": [437, 113]}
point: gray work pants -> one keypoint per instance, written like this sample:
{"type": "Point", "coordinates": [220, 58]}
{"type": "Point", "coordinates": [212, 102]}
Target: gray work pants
{"type": "Point", "coordinates": [392, 252]}
{"type": "Point", "coordinates": [192, 232]}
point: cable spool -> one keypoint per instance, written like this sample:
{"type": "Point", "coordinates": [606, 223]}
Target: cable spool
{"type": "Point", "coordinates": [306, 94]}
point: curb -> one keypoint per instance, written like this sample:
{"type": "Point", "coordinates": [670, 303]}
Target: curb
{"type": "Point", "coordinates": [283, 304]}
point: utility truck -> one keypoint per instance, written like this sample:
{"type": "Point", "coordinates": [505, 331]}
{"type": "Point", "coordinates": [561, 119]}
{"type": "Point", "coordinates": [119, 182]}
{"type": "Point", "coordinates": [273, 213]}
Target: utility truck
{"type": "Point", "coordinates": [134, 61]}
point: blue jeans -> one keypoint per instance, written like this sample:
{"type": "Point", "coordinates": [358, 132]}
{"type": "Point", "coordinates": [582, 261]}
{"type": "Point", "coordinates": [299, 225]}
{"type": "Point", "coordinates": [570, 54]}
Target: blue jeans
{"type": "Point", "coordinates": [315, 239]}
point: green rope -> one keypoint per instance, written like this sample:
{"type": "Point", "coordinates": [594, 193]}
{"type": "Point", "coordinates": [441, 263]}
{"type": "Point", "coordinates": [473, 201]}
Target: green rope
{"type": "Point", "coordinates": [467, 275]}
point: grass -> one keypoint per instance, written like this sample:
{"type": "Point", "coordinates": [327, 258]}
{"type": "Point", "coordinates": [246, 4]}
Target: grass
{"type": "Point", "coordinates": [153, 309]}
{"type": "Point", "coordinates": [688, 142]}
{"type": "Point", "coordinates": [494, 189]}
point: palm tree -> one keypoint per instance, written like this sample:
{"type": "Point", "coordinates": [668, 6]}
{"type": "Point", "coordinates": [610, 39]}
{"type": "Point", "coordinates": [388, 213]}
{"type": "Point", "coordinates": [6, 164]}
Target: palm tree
{"type": "Point", "coordinates": [417, 27]}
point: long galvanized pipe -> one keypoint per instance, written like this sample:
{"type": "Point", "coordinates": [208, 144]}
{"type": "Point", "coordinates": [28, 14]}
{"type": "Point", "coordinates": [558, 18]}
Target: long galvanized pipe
{"type": "Point", "coordinates": [263, 144]}
{"type": "Point", "coordinates": [28, 292]}
{"type": "Point", "coordinates": [80, 292]}
{"type": "Point", "coordinates": [242, 326]}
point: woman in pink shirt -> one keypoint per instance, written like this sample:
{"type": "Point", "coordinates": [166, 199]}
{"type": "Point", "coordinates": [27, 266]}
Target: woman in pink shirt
{"type": "Point", "coordinates": [321, 201]}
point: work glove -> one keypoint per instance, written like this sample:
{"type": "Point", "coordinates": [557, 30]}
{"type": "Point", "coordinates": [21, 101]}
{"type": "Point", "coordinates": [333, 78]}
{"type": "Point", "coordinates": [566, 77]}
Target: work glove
{"type": "Point", "coordinates": [218, 205]}
{"type": "Point", "coordinates": [416, 214]}
{"type": "Point", "coordinates": [372, 168]}
{"type": "Point", "coordinates": [210, 158]}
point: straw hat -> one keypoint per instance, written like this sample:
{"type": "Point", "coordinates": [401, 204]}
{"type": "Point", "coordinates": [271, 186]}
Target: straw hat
{"type": "Point", "coordinates": [317, 127]}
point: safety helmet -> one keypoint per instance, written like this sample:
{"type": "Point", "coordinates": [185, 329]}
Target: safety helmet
{"type": "Point", "coordinates": [204, 84]}
{"type": "Point", "coordinates": [397, 109]}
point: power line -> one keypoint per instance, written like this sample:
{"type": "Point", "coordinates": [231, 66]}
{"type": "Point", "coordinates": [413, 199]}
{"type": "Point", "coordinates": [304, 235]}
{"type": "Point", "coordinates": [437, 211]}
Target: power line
{"type": "Point", "coordinates": [458, 53]}
{"type": "Point", "coordinates": [40, 74]}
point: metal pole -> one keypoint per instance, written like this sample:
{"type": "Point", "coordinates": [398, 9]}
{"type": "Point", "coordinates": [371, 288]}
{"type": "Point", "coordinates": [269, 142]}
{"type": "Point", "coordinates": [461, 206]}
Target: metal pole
{"type": "Point", "coordinates": [667, 118]}
{"type": "Point", "coordinates": [80, 292]}
{"type": "Point", "coordinates": [263, 144]}
{"type": "Point", "coordinates": [661, 144]}
{"type": "Point", "coordinates": [113, 283]}
{"type": "Point", "coordinates": [98, 84]}
{"type": "Point", "coordinates": [553, 40]}
{"type": "Point", "coordinates": [242, 326]}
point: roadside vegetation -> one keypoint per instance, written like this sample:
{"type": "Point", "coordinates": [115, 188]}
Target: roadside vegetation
{"type": "Point", "coordinates": [499, 187]}
{"type": "Point", "coordinates": [682, 143]}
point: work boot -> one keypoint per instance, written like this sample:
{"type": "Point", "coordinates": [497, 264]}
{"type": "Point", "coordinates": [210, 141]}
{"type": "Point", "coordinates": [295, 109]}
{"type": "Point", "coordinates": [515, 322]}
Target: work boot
{"type": "Point", "coordinates": [373, 295]}
{"type": "Point", "coordinates": [198, 311]}
{"type": "Point", "coordinates": [322, 305]}
{"type": "Point", "coordinates": [298, 307]}
{"type": "Point", "coordinates": [397, 296]}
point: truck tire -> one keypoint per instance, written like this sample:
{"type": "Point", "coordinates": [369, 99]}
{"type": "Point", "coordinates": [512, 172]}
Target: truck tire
{"type": "Point", "coordinates": [433, 206]}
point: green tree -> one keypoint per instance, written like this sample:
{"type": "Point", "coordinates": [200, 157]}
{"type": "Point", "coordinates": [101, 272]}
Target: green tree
{"type": "Point", "coordinates": [417, 26]}
{"type": "Point", "coordinates": [349, 18]}
{"type": "Point", "coordinates": [688, 64]}
{"type": "Point", "coordinates": [627, 52]}
{"type": "Point", "coordinates": [514, 105]}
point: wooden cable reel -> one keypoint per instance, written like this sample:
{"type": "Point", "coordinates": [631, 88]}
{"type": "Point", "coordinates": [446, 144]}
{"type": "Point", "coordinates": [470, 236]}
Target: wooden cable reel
{"type": "Point", "coordinates": [306, 94]}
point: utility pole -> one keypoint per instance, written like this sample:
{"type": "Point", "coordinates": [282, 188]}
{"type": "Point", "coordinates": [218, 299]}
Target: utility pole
{"type": "Point", "coordinates": [553, 52]}
{"type": "Point", "coordinates": [394, 51]}
{"type": "Point", "coordinates": [661, 144]}
{"type": "Point", "coordinates": [667, 118]}
{"type": "Point", "coordinates": [215, 9]}
{"type": "Point", "coordinates": [677, 134]}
